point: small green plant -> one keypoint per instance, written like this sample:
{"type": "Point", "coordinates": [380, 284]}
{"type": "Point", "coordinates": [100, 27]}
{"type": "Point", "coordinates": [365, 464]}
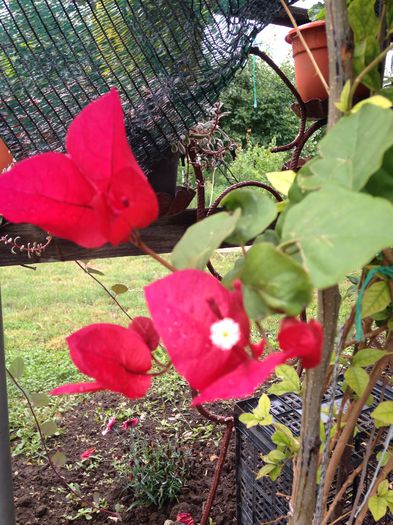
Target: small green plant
{"type": "Point", "coordinates": [254, 161]}
{"type": "Point", "coordinates": [153, 471]}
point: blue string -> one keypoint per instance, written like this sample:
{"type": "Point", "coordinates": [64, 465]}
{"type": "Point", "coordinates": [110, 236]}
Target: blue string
{"type": "Point", "coordinates": [254, 80]}
{"type": "Point", "coordinates": [384, 270]}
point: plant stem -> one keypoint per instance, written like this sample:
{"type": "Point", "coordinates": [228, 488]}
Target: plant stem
{"type": "Point", "coordinates": [285, 244]}
{"type": "Point", "coordinates": [104, 288]}
{"type": "Point", "coordinates": [383, 474]}
{"type": "Point", "coordinates": [369, 450]}
{"type": "Point", "coordinates": [368, 335]}
{"type": "Point", "coordinates": [49, 459]}
{"type": "Point", "coordinates": [305, 472]}
{"type": "Point", "coordinates": [136, 240]}
{"type": "Point", "coordinates": [350, 423]}
{"type": "Point", "coordinates": [328, 427]}
{"type": "Point", "coordinates": [341, 492]}
{"type": "Point", "coordinates": [367, 70]}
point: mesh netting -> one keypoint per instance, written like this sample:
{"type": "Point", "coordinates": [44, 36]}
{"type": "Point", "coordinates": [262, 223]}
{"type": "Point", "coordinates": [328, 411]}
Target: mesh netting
{"type": "Point", "coordinates": [168, 58]}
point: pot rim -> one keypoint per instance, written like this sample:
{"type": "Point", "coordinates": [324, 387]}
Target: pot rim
{"type": "Point", "coordinates": [305, 27]}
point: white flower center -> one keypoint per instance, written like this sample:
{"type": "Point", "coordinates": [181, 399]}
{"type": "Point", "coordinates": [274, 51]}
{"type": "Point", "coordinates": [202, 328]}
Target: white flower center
{"type": "Point", "coordinates": [225, 333]}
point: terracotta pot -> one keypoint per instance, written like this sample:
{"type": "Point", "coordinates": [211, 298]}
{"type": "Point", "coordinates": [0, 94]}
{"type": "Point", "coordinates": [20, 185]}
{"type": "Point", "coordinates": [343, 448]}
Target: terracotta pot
{"type": "Point", "coordinates": [5, 156]}
{"type": "Point", "coordinates": [308, 82]}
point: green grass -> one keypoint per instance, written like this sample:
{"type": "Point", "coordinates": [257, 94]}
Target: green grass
{"type": "Point", "coordinates": [42, 307]}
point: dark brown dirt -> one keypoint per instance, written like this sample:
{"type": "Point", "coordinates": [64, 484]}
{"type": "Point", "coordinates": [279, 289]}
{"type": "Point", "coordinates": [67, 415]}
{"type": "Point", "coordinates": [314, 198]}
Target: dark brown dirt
{"type": "Point", "coordinates": [42, 500]}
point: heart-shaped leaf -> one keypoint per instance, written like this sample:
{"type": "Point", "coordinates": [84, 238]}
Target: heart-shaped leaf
{"type": "Point", "coordinates": [258, 212]}
{"type": "Point", "coordinates": [325, 226]}
{"type": "Point", "coordinates": [200, 240]}
{"type": "Point", "coordinates": [273, 282]}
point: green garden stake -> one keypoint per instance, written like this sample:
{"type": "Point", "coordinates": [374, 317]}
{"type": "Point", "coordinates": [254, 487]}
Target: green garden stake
{"type": "Point", "coordinates": [254, 80]}
{"type": "Point", "coordinates": [384, 270]}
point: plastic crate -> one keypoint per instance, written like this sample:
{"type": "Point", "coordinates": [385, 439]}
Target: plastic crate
{"type": "Point", "coordinates": [263, 500]}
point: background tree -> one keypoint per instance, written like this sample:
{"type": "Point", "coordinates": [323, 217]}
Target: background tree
{"type": "Point", "coordinates": [272, 119]}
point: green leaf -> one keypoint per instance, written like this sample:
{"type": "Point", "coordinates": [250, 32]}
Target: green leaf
{"type": "Point", "coordinates": [282, 439]}
{"type": "Point", "coordinates": [381, 183]}
{"type": "Point", "coordinates": [59, 459]}
{"type": "Point", "coordinates": [257, 212]}
{"type": "Point", "coordinates": [365, 26]}
{"type": "Point", "coordinates": [378, 507]}
{"type": "Point", "coordinates": [351, 151]}
{"type": "Point", "coordinates": [290, 381]}
{"type": "Point", "coordinates": [273, 282]}
{"type": "Point", "coordinates": [389, 497]}
{"type": "Point", "coordinates": [325, 225]}
{"type": "Point", "coordinates": [283, 428]}
{"type": "Point", "coordinates": [232, 275]}
{"type": "Point", "coordinates": [364, 53]}
{"type": "Point", "coordinates": [39, 400]}
{"type": "Point", "coordinates": [17, 368]}
{"type": "Point", "coordinates": [49, 428]}
{"type": "Point", "coordinates": [249, 420]}
{"type": "Point", "coordinates": [200, 240]}
{"type": "Point", "coordinates": [376, 298]}
{"type": "Point", "coordinates": [383, 488]}
{"type": "Point", "coordinates": [94, 271]}
{"type": "Point", "coordinates": [357, 379]}
{"type": "Point", "coordinates": [269, 236]}
{"type": "Point", "coordinates": [384, 457]}
{"type": "Point", "coordinates": [367, 357]}
{"type": "Point", "coordinates": [363, 19]}
{"type": "Point", "coordinates": [281, 180]}
{"type": "Point", "coordinates": [118, 289]}
{"type": "Point", "coordinates": [275, 473]}
{"type": "Point", "coordinates": [266, 470]}
{"type": "Point", "coordinates": [254, 304]}
{"type": "Point", "coordinates": [388, 91]}
{"type": "Point", "coordinates": [377, 100]}
{"type": "Point", "coordinates": [383, 414]}
{"type": "Point", "coordinates": [266, 421]}
{"type": "Point", "coordinates": [345, 104]}
{"type": "Point", "coordinates": [316, 12]}
{"type": "Point", "coordinates": [382, 316]}
{"type": "Point", "coordinates": [263, 408]}
{"type": "Point", "coordinates": [275, 456]}
{"type": "Point", "coordinates": [389, 16]}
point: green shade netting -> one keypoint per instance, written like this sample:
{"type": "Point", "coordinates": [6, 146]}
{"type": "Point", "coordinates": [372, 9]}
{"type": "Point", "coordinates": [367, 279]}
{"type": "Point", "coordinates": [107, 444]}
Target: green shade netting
{"type": "Point", "coordinates": [169, 59]}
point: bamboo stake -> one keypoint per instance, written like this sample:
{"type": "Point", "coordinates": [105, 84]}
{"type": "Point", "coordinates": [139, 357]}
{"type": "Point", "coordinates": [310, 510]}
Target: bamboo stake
{"type": "Point", "coordinates": [306, 47]}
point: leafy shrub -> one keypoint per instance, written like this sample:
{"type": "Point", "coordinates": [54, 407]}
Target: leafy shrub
{"type": "Point", "coordinates": [272, 118]}
{"type": "Point", "coordinates": [153, 471]}
{"type": "Point", "coordinates": [253, 162]}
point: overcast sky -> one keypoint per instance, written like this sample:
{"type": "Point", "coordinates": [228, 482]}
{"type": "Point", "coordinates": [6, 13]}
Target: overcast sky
{"type": "Point", "coordinates": [272, 38]}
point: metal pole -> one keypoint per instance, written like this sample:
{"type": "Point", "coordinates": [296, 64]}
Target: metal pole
{"type": "Point", "coordinates": [7, 511]}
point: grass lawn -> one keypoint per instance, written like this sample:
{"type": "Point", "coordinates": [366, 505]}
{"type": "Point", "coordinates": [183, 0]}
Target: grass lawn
{"type": "Point", "coordinates": [42, 307]}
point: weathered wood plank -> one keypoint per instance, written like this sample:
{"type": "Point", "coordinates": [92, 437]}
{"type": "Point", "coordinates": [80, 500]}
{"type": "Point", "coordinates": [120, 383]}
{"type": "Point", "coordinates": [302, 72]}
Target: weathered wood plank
{"type": "Point", "coordinates": [160, 236]}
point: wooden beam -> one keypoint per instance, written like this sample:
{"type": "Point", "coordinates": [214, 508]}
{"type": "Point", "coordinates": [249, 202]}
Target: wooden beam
{"type": "Point", "coordinates": [300, 14]}
{"type": "Point", "coordinates": [160, 236]}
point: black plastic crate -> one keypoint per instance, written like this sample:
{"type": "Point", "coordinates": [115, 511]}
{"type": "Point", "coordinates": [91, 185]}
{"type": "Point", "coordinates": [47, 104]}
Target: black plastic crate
{"type": "Point", "coordinates": [263, 500]}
